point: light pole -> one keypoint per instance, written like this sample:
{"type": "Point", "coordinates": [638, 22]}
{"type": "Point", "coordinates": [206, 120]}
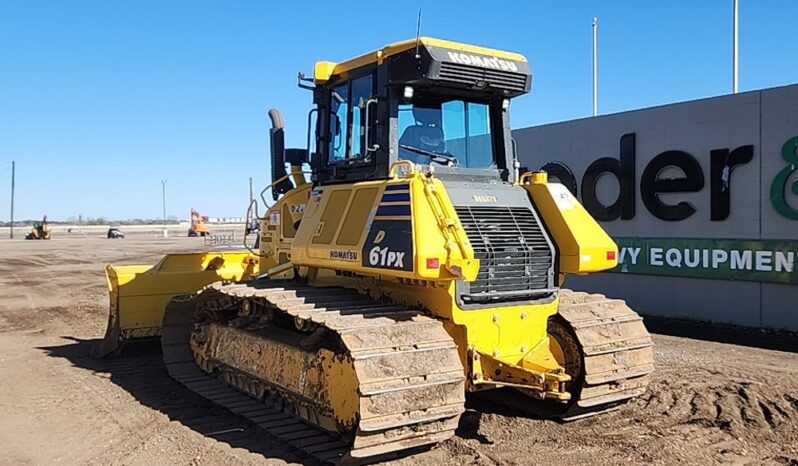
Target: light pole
{"type": "Point", "coordinates": [163, 197]}
{"type": "Point", "coordinates": [735, 42]}
{"type": "Point", "coordinates": [595, 66]}
{"type": "Point", "coordinates": [13, 168]}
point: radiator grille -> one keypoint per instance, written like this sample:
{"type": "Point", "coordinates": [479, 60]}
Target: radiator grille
{"type": "Point", "coordinates": [466, 74]}
{"type": "Point", "coordinates": [515, 257]}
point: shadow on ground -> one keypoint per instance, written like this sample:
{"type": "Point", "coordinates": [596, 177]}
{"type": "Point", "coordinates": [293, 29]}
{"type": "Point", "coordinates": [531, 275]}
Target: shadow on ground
{"type": "Point", "coordinates": [724, 333]}
{"type": "Point", "coordinates": [469, 425]}
{"type": "Point", "coordinates": [140, 372]}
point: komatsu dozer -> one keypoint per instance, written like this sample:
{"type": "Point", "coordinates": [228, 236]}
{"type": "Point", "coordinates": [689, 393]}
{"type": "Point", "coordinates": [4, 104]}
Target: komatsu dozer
{"type": "Point", "coordinates": [40, 230]}
{"type": "Point", "coordinates": [414, 266]}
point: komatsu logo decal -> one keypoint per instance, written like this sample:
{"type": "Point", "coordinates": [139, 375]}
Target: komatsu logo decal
{"type": "Point", "coordinates": [343, 255]}
{"type": "Point", "coordinates": [485, 62]}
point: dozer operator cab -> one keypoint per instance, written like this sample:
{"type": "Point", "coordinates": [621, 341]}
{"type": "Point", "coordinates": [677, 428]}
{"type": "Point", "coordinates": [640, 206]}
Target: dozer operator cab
{"type": "Point", "coordinates": [428, 101]}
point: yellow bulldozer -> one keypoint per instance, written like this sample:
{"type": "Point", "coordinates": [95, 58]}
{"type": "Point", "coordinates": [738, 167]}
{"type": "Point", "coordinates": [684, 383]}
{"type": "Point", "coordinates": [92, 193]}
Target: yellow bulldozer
{"type": "Point", "coordinates": [39, 230]}
{"type": "Point", "coordinates": [414, 265]}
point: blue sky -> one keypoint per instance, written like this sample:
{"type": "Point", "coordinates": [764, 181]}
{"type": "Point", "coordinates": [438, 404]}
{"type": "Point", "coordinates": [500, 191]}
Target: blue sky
{"type": "Point", "coordinates": [101, 100]}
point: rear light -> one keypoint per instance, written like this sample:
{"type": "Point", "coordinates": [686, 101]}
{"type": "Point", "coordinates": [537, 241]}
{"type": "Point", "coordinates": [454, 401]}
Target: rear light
{"type": "Point", "coordinates": [610, 255]}
{"type": "Point", "coordinates": [433, 263]}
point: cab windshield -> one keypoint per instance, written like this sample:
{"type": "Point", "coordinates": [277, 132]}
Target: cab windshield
{"type": "Point", "coordinates": [452, 132]}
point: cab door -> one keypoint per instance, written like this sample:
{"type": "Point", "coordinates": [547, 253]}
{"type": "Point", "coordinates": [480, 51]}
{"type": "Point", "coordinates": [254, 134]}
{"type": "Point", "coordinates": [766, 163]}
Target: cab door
{"type": "Point", "coordinates": [349, 150]}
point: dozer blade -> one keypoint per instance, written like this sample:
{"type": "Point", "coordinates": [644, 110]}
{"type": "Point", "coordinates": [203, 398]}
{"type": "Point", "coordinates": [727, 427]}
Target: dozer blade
{"type": "Point", "coordinates": [139, 293]}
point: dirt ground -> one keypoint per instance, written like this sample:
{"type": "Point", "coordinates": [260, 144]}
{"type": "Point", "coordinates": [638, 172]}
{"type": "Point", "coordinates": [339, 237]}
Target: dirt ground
{"type": "Point", "coordinates": [708, 403]}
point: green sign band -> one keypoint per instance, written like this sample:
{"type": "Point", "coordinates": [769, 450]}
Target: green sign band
{"type": "Point", "coordinates": [772, 261]}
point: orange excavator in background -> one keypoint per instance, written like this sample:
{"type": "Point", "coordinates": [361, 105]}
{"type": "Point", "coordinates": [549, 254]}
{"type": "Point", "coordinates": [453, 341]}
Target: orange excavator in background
{"type": "Point", "coordinates": [199, 224]}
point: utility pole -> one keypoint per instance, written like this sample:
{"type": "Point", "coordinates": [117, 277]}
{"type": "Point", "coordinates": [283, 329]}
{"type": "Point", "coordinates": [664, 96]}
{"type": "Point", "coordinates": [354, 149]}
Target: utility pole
{"type": "Point", "coordinates": [250, 190]}
{"type": "Point", "coordinates": [163, 197]}
{"type": "Point", "coordinates": [13, 169]}
{"type": "Point", "coordinates": [595, 66]}
{"type": "Point", "coordinates": [735, 42]}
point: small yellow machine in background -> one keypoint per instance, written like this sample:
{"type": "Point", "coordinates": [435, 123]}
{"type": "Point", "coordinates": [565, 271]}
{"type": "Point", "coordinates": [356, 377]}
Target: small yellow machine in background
{"type": "Point", "coordinates": [40, 230]}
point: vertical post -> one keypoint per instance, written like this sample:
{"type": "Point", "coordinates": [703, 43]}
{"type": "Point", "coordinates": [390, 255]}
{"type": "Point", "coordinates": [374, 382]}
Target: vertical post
{"type": "Point", "coordinates": [595, 66]}
{"type": "Point", "coordinates": [13, 169]}
{"type": "Point", "coordinates": [250, 190]}
{"type": "Point", "coordinates": [735, 42]}
{"type": "Point", "coordinates": [163, 197]}
{"type": "Point", "coordinates": [418, 34]}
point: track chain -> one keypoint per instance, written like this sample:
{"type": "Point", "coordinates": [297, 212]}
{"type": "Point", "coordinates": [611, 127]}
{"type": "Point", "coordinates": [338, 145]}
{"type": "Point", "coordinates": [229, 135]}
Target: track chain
{"type": "Point", "coordinates": [403, 359]}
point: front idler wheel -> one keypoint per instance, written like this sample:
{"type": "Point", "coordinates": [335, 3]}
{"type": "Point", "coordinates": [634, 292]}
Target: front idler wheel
{"type": "Point", "coordinates": [565, 348]}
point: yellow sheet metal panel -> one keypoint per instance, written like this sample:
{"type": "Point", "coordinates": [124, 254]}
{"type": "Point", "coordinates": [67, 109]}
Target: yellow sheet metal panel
{"type": "Point", "coordinates": [288, 226]}
{"type": "Point", "coordinates": [278, 226]}
{"type": "Point", "coordinates": [356, 216]}
{"type": "Point", "coordinates": [325, 69]}
{"type": "Point", "coordinates": [326, 209]}
{"type": "Point", "coordinates": [508, 333]}
{"type": "Point", "coordinates": [447, 44]}
{"type": "Point", "coordinates": [404, 227]}
{"type": "Point", "coordinates": [331, 216]}
{"type": "Point", "coordinates": [582, 244]}
{"type": "Point", "coordinates": [434, 211]}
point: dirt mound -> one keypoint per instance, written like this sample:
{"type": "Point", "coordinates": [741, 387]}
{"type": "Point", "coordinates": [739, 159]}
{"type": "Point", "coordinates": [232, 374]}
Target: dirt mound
{"type": "Point", "coordinates": [740, 407]}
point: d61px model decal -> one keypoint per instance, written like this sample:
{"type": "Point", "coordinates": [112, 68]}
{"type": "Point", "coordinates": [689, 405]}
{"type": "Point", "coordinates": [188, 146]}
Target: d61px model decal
{"type": "Point", "coordinates": [389, 245]}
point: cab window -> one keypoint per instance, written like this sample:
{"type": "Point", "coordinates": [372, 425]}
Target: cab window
{"type": "Point", "coordinates": [446, 131]}
{"type": "Point", "coordinates": [347, 119]}
{"type": "Point", "coordinates": [339, 113]}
